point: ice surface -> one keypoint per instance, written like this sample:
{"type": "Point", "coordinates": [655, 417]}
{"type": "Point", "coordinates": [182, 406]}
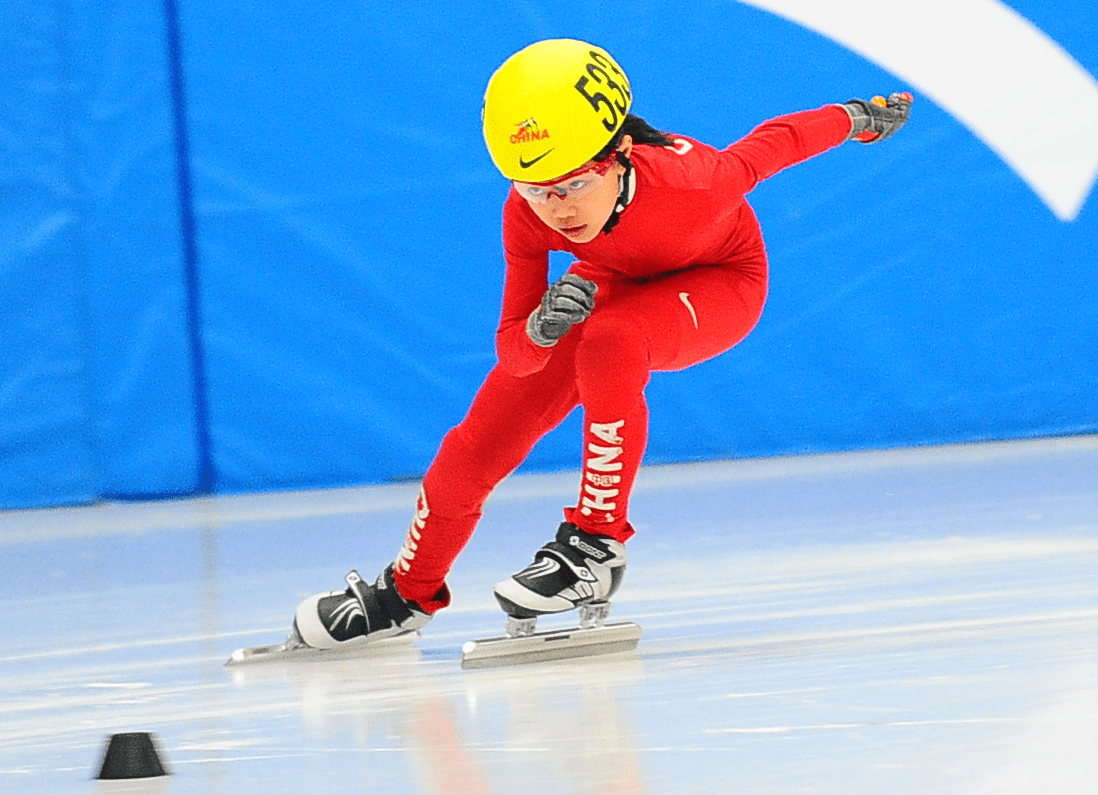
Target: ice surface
{"type": "Point", "coordinates": [906, 622]}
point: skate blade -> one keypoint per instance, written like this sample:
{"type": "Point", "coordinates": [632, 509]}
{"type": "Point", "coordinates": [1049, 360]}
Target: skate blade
{"type": "Point", "coordinates": [294, 649]}
{"type": "Point", "coordinates": [557, 645]}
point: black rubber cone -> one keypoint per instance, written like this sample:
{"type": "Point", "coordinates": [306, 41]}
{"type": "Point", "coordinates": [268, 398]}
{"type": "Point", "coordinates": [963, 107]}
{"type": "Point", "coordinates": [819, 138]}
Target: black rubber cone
{"type": "Point", "coordinates": [131, 755]}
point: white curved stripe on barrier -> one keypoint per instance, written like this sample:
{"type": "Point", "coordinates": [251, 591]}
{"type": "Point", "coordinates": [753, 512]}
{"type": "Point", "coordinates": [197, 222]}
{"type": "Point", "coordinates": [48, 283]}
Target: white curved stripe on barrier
{"type": "Point", "coordinates": [1014, 87]}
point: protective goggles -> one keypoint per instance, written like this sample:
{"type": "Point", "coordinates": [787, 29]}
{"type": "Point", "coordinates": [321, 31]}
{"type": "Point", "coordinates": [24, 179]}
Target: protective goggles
{"type": "Point", "coordinates": [575, 185]}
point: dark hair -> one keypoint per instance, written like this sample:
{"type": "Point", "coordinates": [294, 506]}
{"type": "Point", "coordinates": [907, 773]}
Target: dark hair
{"type": "Point", "coordinates": [642, 133]}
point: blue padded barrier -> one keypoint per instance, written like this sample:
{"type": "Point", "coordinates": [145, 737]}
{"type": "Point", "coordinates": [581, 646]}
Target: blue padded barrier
{"type": "Point", "coordinates": [95, 379]}
{"type": "Point", "coordinates": [345, 244]}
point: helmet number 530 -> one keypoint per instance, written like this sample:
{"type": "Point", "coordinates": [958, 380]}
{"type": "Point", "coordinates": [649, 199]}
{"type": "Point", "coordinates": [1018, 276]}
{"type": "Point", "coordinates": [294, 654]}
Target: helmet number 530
{"type": "Point", "coordinates": [598, 100]}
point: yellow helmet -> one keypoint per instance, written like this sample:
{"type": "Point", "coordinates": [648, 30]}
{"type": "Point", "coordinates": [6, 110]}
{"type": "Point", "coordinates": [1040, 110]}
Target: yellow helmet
{"type": "Point", "coordinates": [551, 107]}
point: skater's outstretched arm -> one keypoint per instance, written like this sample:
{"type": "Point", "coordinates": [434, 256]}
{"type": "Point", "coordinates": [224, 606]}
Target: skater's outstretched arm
{"type": "Point", "coordinates": [787, 140]}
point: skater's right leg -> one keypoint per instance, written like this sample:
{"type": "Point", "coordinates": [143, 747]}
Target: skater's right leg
{"type": "Point", "coordinates": [360, 613]}
{"type": "Point", "coordinates": [507, 418]}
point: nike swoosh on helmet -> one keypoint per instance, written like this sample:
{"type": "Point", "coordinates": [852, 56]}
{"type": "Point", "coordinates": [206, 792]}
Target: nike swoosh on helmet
{"type": "Point", "coordinates": [528, 163]}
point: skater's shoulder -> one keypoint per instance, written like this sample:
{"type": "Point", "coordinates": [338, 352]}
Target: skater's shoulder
{"type": "Point", "coordinates": [686, 166]}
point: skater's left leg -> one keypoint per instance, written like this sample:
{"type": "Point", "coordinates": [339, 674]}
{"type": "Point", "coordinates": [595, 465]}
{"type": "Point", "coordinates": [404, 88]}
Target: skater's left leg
{"type": "Point", "coordinates": [612, 370]}
{"type": "Point", "coordinates": [586, 561]}
{"type": "Point", "coordinates": [668, 323]}
{"type": "Point", "coordinates": [665, 324]}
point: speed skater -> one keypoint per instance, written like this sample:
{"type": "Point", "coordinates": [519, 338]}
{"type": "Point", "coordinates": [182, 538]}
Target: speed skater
{"type": "Point", "coordinates": [670, 270]}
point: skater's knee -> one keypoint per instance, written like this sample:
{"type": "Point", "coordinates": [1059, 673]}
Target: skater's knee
{"type": "Point", "coordinates": [613, 328]}
{"type": "Point", "coordinates": [474, 457]}
{"type": "Point", "coordinates": [464, 448]}
{"type": "Point", "coordinates": [613, 349]}
{"type": "Point", "coordinates": [613, 338]}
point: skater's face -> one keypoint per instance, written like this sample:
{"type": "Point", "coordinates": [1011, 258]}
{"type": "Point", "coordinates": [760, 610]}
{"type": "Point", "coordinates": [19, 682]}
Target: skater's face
{"type": "Point", "coordinates": [579, 206]}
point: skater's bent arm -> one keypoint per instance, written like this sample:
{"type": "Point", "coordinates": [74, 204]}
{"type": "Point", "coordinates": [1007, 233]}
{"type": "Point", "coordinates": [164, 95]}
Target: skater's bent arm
{"type": "Point", "coordinates": [525, 282]}
{"type": "Point", "coordinates": [524, 285]}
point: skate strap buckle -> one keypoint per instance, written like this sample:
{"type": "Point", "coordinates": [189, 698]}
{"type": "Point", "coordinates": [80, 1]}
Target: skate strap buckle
{"type": "Point", "coordinates": [594, 614]}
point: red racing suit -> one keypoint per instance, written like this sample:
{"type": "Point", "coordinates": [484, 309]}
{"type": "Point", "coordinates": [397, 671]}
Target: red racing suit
{"type": "Point", "coordinates": [681, 278]}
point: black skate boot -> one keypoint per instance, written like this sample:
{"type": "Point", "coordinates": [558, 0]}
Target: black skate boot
{"type": "Point", "coordinates": [359, 614]}
{"type": "Point", "coordinates": [576, 569]}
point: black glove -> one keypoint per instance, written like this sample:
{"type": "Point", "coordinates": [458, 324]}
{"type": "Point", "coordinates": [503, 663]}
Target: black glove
{"type": "Point", "coordinates": [564, 304]}
{"type": "Point", "coordinates": [879, 118]}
